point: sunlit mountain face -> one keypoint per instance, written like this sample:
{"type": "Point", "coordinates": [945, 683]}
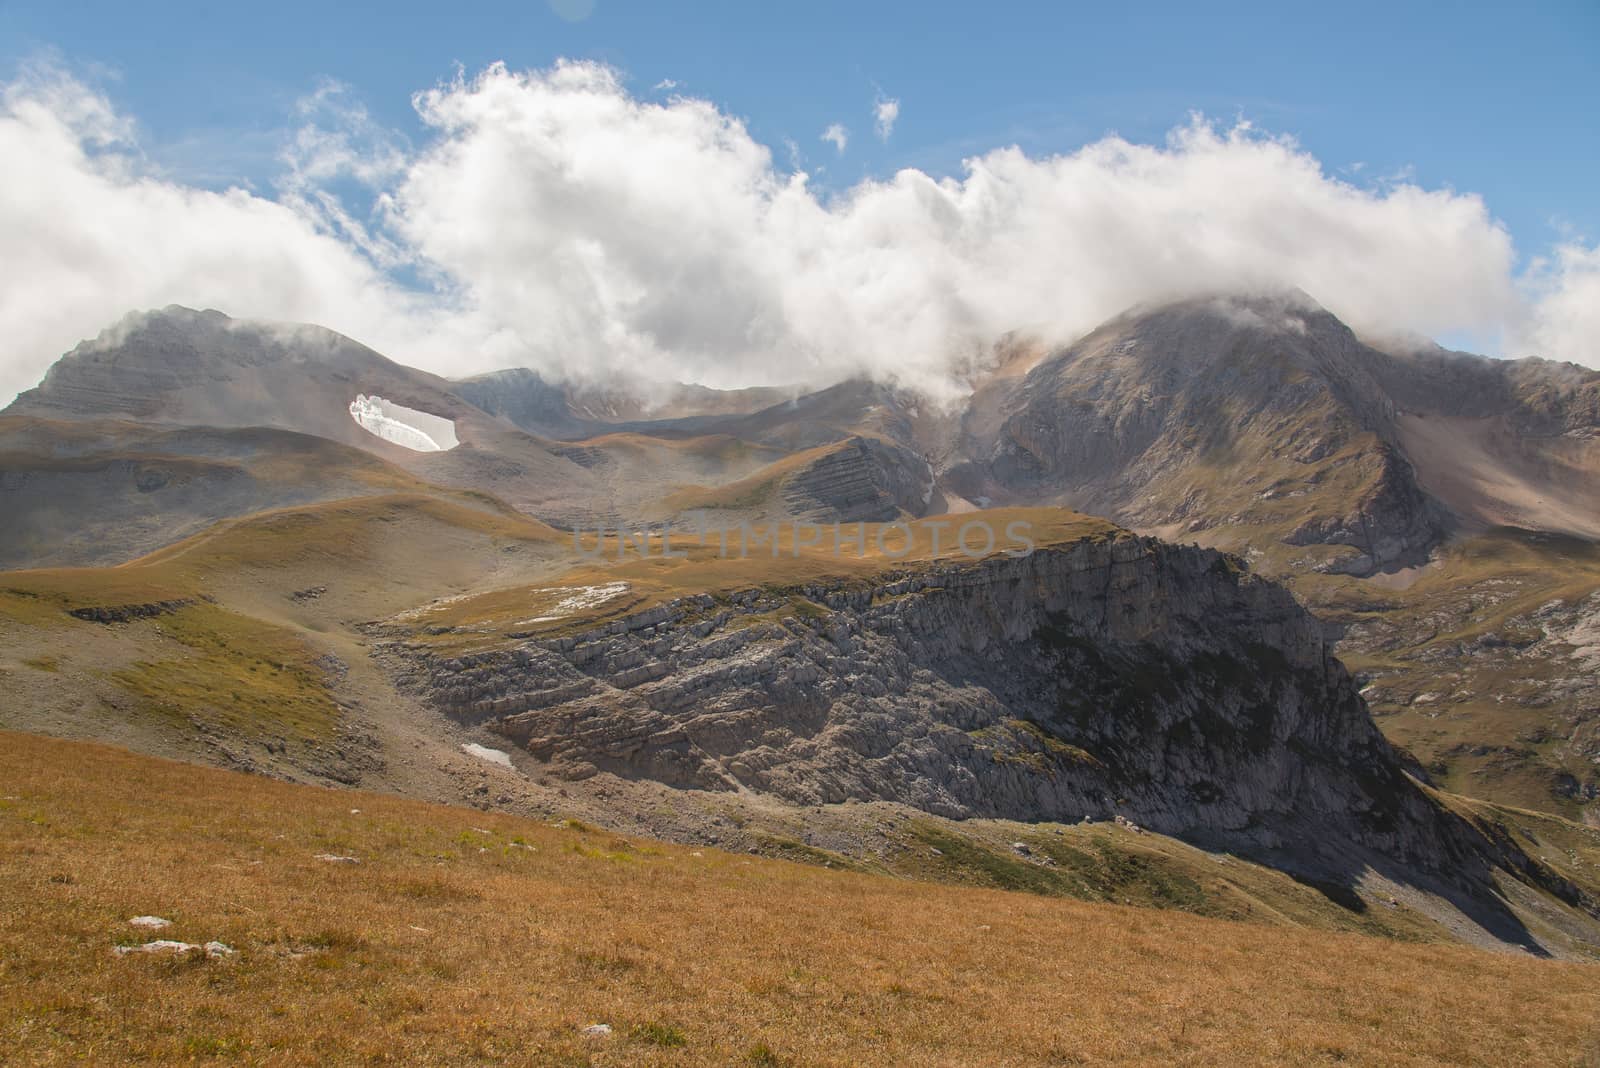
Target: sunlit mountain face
{"type": "Point", "coordinates": [545, 534]}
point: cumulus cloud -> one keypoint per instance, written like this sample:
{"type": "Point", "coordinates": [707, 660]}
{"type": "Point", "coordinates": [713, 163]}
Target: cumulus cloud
{"type": "Point", "coordinates": [837, 136]}
{"type": "Point", "coordinates": [1564, 316]}
{"type": "Point", "coordinates": [884, 113]}
{"type": "Point", "coordinates": [551, 218]}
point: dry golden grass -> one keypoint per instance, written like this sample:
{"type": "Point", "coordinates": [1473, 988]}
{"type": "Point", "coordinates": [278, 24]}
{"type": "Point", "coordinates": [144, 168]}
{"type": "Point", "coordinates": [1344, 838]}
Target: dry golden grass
{"type": "Point", "coordinates": [225, 666]}
{"type": "Point", "coordinates": [752, 491]}
{"type": "Point", "coordinates": [725, 562]}
{"type": "Point", "coordinates": [721, 447]}
{"type": "Point", "coordinates": [339, 534]}
{"type": "Point", "coordinates": [464, 937]}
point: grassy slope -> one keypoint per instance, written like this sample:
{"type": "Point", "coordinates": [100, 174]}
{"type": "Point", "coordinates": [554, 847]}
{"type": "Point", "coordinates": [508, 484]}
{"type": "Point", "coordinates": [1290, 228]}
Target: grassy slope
{"type": "Point", "coordinates": [221, 664]}
{"type": "Point", "coordinates": [706, 567]}
{"type": "Point", "coordinates": [80, 501]}
{"type": "Point", "coordinates": [218, 667]}
{"type": "Point", "coordinates": [464, 937]}
{"type": "Point", "coordinates": [1104, 862]}
{"type": "Point", "coordinates": [754, 491]}
{"type": "Point", "coordinates": [1486, 719]}
{"type": "Point", "coordinates": [339, 533]}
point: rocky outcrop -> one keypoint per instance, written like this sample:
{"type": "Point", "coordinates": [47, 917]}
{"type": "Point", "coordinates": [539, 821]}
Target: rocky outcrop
{"type": "Point", "coordinates": [126, 613]}
{"type": "Point", "coordinates": [863, 480]}
{"type": "Point", "coordinates": [1394, 524]}
{"type": "Point", "coordinates": [1112, 677]}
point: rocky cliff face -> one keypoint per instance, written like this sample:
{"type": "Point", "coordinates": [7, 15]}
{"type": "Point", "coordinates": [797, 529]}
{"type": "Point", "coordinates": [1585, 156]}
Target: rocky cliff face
{"type": "Point", "coordinates": [865, 479]}
{"type": "Point", "coordinates": [1111, 677]}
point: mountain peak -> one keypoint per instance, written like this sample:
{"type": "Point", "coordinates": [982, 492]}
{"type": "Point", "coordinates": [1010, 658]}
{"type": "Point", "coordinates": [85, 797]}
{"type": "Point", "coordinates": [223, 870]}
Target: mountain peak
{"type": "Point", "coordinates": [1289, 310]}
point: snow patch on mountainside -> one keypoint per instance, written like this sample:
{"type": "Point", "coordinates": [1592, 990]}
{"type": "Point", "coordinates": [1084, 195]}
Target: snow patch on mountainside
{"type": "Point", "coordinates": [483, 752]}
{"type": "Point", "coordinates": [577, 599]}
{"type": "Point", "coordinates": [403, 426]}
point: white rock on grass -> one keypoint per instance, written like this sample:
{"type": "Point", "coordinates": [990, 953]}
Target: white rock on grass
{"type": "Point", "coordinates": [163, 945]}
{"type": "Point", "coordinates": [334, 858]}
{"type": "Point", "coordinates": [150, 923]}
{"type": "Point", "coordinates": [597, 1030]}
{"type": "Point", "coordinates": [213, 950]}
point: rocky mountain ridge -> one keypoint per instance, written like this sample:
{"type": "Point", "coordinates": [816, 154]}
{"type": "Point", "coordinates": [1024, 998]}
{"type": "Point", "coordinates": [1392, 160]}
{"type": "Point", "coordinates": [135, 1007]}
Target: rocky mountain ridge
{"type": "Point", "coordinates": [1113, 677]}
{"type": "Point", "coordinates": [1257, 424]}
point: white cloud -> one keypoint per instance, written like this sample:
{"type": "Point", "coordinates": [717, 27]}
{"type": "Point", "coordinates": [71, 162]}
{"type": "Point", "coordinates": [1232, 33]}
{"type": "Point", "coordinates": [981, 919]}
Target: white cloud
{"type": "Point", "coordinates": [837, 136]}
{"type": "Point", "coordinates": [558, 221]}
{"type": "Point", "coordinates": [338, 141]}
{"type": "Point", "coordinates": [665, 85]}
{"type": "Point", "coordinates": [884, 113]}
{"type": "Point", "coordinates": [1564, 317]}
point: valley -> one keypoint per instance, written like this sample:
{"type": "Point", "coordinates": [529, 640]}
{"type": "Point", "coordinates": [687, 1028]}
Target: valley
{"type": "Point", "coordinates": [1270, 611]}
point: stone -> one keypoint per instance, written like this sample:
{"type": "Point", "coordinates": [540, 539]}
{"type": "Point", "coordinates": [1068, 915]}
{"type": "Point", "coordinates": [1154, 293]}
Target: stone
{"type": "Point", "coordinates": [1036, 688]}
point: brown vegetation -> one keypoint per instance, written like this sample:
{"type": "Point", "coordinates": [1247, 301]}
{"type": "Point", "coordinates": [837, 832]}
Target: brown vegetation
{"type": "Point", "coordinates": [467, 937]}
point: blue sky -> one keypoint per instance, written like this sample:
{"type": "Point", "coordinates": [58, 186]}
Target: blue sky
{"type": "Point", "coordinates": [1419, 169]}
{"type": "Point", "coordinates": [1490, 98]}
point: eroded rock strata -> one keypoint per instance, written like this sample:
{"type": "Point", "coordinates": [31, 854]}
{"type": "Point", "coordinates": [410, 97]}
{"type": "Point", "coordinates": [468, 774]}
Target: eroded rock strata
{"type": "Point", "coordinates": [1117, 676]}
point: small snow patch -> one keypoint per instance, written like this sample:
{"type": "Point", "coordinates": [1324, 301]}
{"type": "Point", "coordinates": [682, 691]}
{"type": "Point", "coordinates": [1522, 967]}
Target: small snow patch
{"type": "Point", "coordinates": [150, 923]}
{"type": "Point", "coordinates": [334, 858]}
{"type": "Point", "coordinates": [578, 598]}
{"type": "Point", "coordinates": [483, 752]}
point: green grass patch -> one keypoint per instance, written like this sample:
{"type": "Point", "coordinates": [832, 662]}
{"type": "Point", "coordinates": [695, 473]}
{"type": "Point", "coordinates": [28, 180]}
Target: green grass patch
{"type": "Point", "coordinates": [239, 673]}
{"type": "Point", "coordinates": [658, 1034]}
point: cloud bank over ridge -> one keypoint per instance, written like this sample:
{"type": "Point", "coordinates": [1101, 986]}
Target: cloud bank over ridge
{"type": "Point", "coordinates": [553, 219]}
